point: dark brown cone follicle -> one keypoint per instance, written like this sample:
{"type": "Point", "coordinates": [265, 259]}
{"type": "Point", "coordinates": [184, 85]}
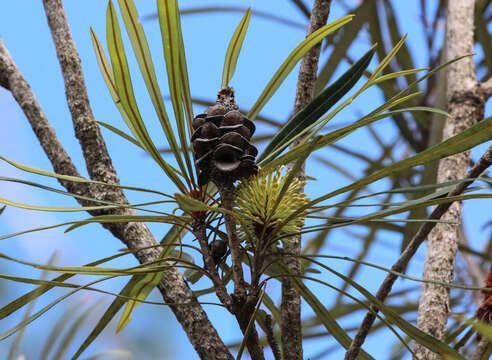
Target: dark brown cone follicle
{"type": "Point", "coordinates": [221, 142]}
{"type": "Point", "coordinates": [218, 248]}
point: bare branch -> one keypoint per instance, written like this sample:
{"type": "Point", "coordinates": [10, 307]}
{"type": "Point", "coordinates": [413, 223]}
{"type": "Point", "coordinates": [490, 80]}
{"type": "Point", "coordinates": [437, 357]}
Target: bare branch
{"type": "Point", "coordinates": [291, 327]}
{"type": "Point", "coordinates": [220, 289]}
{"type": "Point", "coordinates": [400, 265]}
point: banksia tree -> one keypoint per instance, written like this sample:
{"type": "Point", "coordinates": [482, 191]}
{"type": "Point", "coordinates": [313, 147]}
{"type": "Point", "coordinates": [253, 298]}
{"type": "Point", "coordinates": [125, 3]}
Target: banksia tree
{"type": "Point", "coordinates": [233, 211]}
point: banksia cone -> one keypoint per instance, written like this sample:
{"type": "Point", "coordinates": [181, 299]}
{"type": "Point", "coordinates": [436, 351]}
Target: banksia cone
{"type": "Point", "coordinates": [221, 143]}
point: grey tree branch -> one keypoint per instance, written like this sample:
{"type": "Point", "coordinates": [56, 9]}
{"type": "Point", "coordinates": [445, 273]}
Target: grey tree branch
{"type": "Point", "coordinates": [173, 288]}
{"type": "Point", "coordinates": [481, 349]}
{"type": "Point", "coordinates": [487, 88]}
{"type": "Point", "coordinates": [401, 264]}
{"type": "Point", "coordinates": [290, 308]}
{"type": "Point", "coordinates": [291, 328]}
{"type": "Point", "coordinates": [465, 104]}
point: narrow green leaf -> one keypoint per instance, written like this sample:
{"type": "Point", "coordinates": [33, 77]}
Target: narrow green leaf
{"type": "Point", "coordinates": [326, 318]}
{"type": "Point", "coordinates": [272, 162]}
{"type": "Point", "coordinates": [395, 75]}
{"type": "Point", "coordinates": [174, 233]}
{"type": "Point", "coordinates": [474, 135]}
{"type": "Point", "coordinates": [42, 172]}
{"type": "Point", "coordinates": [141, 49]}
{"type": "Point", "coordinates": [172, 43]}
{"type": "Point", "coordinates": [185, 81]}
{"type": "Point", "coordinates": [140, 290]}
{"type": "Point", "coordinates": [319, 105]}
{"type": "Point", "coordinates": [234, 49]}
{"type": "Point", "coordinates": [62, 209]}
{"type": "Point", "coordinates": [33, 317]}
{"type": "Point", "coordinates": [14, 348]}
{"type": "Point", "coordinates": [125, 92]}
{"type": "Point", "coordinates": [108, 76]}
{"type": "Point", "coordinates": [413, 332]}
{"type": "Point", "coordinates": [170, 219]}
{"type": "Point", "coordinates": [292, 60]}
{"type": "Point", "coordinates": [108, 315]}
{"type": "Point", "coordinates": [387, 59]}
{"type": "Point", "coordinates": [120, 133]}
{"type": "Point", "coordinates": [68, 338]}
{"type": "Point", "coordinates": [40, 290]}
{"type": "Point", "coordinates": [58, 328]}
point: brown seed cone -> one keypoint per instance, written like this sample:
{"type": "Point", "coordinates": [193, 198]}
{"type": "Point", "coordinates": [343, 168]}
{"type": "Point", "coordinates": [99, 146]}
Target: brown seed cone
{"type": "Point", "coordinates": [221, 143]}
{"type": "Point", "coordinates": [218, 249]}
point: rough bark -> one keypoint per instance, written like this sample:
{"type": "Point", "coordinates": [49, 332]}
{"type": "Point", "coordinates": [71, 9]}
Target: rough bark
{"type": "Point", "coordinates": [481, 349]}
{"type": "Point", "coordinates": [193, 319]}
{"type": "Point", "coordinates": [291, 327]}
{"type": "Point", "coordinates": [465, 104]}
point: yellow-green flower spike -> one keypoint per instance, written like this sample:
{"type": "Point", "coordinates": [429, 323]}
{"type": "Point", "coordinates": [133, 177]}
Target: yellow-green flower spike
{"type": "Point", "coordinates": [256, 203]}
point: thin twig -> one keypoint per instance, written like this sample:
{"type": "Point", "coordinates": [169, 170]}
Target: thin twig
{"type": "Point", "coordinates": [399, 266]}
{"type": "Point", "coordinates": [227, 198]}
{"type": "Point", "coordinates": [290, 307]}
{"type": "Point", "coordinates": [220, 289]}
{"type": "Point", "coordinates": [270, 335]}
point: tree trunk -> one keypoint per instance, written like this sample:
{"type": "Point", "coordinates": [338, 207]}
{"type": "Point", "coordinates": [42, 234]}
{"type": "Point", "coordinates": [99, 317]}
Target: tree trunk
{"type": "Point", "coordinates": [465, 104]}
{"type": "Point", "coordinates": [290, 307]}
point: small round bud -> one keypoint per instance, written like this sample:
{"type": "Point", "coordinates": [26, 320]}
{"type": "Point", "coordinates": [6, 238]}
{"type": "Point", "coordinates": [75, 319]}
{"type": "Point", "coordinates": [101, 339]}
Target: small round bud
{"type": "Point", "coordinates": [218, 249]}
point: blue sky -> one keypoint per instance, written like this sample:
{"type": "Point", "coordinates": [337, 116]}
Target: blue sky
{"type": "Point", "coordinates": [24, 30]}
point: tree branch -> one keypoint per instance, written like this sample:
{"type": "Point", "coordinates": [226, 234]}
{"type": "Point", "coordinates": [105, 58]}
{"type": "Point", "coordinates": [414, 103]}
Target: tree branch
{"type": "Point", "coordinates": [227, 200]}
{"type": "Point", "coordinates": [400, 265]}
{"type": "Point", "coordinates": [486, 87]}
{"type": "Point", "coordinates": [208, 262]}
{"type": "Point", "coordinates": [193, 319]}
{"type": "Point", "coordinates": [291, 327]}
{"type": "Point", "coordinates": [481, 349]}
